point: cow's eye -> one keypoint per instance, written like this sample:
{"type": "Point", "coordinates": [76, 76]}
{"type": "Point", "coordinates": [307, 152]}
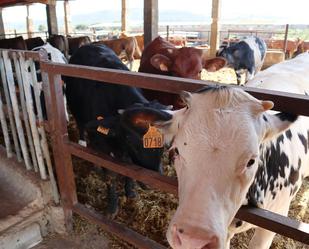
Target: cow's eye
{"type": "Point", "coordinates": [250, 163]}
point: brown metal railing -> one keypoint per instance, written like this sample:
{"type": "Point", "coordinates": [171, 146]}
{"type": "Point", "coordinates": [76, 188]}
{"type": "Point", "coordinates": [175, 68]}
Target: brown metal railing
{"type": "Point", "coordinates": [64, 149]}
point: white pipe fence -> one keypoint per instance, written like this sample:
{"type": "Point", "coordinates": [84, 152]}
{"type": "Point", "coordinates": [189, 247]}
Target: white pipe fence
{"type": "Point", "coordinates": [21, 91]}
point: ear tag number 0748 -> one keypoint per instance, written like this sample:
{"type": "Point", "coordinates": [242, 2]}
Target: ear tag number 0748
{"type": "Point", "coordinates": [153, 138]}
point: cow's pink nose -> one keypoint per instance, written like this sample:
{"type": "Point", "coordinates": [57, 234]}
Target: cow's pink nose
{"type": "Point", "coordinates": [183, 239]}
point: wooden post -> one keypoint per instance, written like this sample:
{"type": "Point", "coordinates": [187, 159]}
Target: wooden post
{"type": "Point", "coordinates": [124, 15]}
{"type": "Point", "coordinates": [51, 18]}
{"type": "Point", "coordinates": [67, 18]}
{"type": "Point", "coordinates": [29, 23]}
{"type": "Point", "coordinates": [2, 32]}
{"type": "Point", "coordinates": [150, 20]}
{"type": "Point", "coordinates": [214, 37]}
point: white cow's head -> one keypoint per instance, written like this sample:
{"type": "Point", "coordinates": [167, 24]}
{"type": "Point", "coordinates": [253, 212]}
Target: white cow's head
{"type": "Point", "coordinates": [215, 142]}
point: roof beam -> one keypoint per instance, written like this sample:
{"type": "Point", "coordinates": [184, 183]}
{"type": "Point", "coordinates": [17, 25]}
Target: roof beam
{"type": "Point", "coordinates": [10, 3]}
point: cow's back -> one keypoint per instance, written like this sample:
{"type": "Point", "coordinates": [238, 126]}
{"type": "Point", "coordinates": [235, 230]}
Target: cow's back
{"type": "Point", "coordinates": [285, 159]}
{"type": "Point", "coordinates": [14, 43]}
{"type": "Point", "coordinates": [288, 76]}
{"type": "Point", "coordinates": [88, 99]}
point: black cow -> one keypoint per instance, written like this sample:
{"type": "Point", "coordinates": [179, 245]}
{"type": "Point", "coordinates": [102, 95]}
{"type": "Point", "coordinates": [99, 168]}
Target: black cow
{"type": "Point", "coordinates": [95, 107]}
{"type": "Point", "coordinates": [34, 42]}
{"type": "Point", "coordinates": [245, 56]}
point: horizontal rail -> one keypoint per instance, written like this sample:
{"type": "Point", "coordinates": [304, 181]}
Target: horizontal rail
{"type": "Point", "coordinates": [279, 224]}
{"type": "Point", "coordinates": [286, 102]}
{"type": "Point", "coordinates": [120, 230]}
{"type": "Point", "coordinates": [138, 173]}
{"type": "Point", "coordinates": [256, 216]}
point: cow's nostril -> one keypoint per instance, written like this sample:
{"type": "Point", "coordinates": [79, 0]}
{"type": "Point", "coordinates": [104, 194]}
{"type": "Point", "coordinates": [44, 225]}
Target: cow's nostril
{"type": "Point", "coordinates": [180, 230]}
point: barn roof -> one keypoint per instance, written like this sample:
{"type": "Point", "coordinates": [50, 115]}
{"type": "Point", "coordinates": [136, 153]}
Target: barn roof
{"type": "Point", "coordinates": [9, 3]}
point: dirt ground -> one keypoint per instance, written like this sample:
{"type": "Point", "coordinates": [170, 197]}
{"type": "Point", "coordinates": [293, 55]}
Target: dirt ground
{"type": "Point", "coordinates": [151, 211]}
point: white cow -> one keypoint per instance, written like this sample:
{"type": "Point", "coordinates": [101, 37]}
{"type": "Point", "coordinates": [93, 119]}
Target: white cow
{"type": "Point", "coordinates": [229, 150]}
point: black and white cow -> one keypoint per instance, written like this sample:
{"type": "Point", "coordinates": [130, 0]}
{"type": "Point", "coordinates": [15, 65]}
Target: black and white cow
{"type": "Point", "coordinates": [245, 56]}
{"type": "Point", "coordinates": [95, 107]}
{"type": "Point", "coordinates": [231, 150]}
{"type": "Point", "coordinates": [54, 55]}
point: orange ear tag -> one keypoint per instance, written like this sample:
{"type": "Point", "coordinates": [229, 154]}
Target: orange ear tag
{"type": "Point", "coordinates": [153, 138]}
{"type": "Point", "coordinates": [103, 130]}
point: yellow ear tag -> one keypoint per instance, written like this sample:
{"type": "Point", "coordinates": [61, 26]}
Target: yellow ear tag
{"type": "Point", "coordinates": [153, 138]}
{"type": "Point", "coordinates": [100, 118]}
{"type": "Point", "coordinates": [103, 130]}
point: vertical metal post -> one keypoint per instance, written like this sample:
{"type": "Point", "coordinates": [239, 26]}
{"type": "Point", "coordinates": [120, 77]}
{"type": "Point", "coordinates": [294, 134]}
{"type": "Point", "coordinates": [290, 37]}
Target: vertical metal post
{"type": "Point", "coordinates": [12, 94]}
{"type": "Point", "coordinates": [44, 145]}
{"type": "Point", "coordinates": [57, 122]}
{"type": "Point", "coordinates": [150, 20]}
{"type": "Point", "coordinates": [167, 32]}
{"type": "Point", "coordinates": [5, 131]}
{"type": "Point", "coordinates": [9, 109]}
{"type": "Point", "coordinates": [2, 31]}
{"type": "Point", "coordinates": [24, 111]}
{"type": "Point", "coordinates": [286, 38]}
{"type": "Point", "coordinates": [32, 119]}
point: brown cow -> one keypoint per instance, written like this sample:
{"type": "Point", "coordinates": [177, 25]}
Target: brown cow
{"type": "Point", "coordinates": [303, 47]}
{"type": "Point", "coordinates": [178, 40]}
{"type": "Point", "coordinates": [291, 48]}
{"type": "Point", "coordinates": [123, 48]}
{"type": "Point", "coordinates": [77, 42]}
{"type": "Point", "coordinates": [162, 57]}
{"type": "Point", "coordinates": [140, 44]}
{"type": "Point", "coordinates": [14, 43]}
{"type": "Point", "coordinates": [34, 42]}
{"type": "Point", "coordinates": [60, 42]}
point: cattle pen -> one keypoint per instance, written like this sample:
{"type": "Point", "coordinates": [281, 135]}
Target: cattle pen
{"type": "Point", "coordinates": [64, 149]}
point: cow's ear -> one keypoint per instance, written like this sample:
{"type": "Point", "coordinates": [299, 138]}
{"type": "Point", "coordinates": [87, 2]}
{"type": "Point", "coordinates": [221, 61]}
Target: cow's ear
{"type": "Point", "coordinates": [214, 64]}
{"type": "Point", "coordinates": [103, 126]}
{"type": "Point", "coordinates": [276, 123]}
{"type": "Point", "coordinates": [140, 118]}
{"type": "Point", "coordinates": [161, 62]}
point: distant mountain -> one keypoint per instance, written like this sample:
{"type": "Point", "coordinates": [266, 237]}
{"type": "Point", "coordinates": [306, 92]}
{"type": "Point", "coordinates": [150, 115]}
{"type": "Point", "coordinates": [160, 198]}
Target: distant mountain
{"type": "Point", "coordinates": [136, 16]}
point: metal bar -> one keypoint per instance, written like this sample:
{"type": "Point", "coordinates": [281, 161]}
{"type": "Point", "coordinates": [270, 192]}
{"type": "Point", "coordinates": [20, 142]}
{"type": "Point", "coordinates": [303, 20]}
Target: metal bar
{"type": "Point", "coordinates": [13, 97]}
{"type": "Point", "coordinates": [5, 131]}
{"type": "Point", "coordinates": [286, 38]}
{"type": "Point", "coordinates": [296, 103]}
{"type": "Point", "coordinates": [279, 224]}
{"type": "Point", "coordinates": [32, 119]}
{"type": "Point", "coordinates": [24, 112]}
{"type": "Point", "coordinates": [44, 146]}
{"type": "Point", "coordinates": [256, 216]}
{"type": "Point", "coordinates": [149, 177]}
{"type": "Point", "coordinates": [55, 111]}
{"type": "Point", "coordinates": [120, 230]}
{"type": "Point", "coordinates": [10, 111]}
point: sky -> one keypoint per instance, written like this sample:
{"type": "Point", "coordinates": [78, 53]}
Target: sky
{"type": "Point", "coordinates": [280, 11]}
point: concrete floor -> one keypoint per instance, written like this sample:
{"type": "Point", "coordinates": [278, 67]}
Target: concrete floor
{"type": "Point", "coordinates": [11, 201]}
{"type": "Point", "coordinates": [90, 240]}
